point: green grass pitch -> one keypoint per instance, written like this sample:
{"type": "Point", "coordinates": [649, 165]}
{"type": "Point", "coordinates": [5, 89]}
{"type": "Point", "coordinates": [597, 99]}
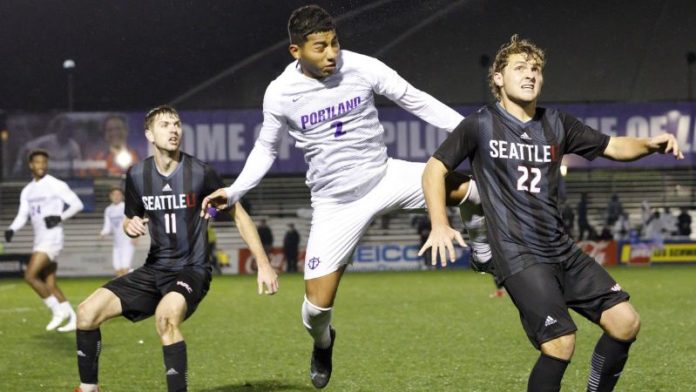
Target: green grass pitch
{"type": "Point", "coordinates": [408, 331]}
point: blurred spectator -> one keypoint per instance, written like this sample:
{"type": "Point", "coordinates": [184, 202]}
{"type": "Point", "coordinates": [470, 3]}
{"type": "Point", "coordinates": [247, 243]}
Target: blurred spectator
{"type": "Point", "coordinates": [622, 227]}
{"type": "Point", "coordinates": [291, 244]}
{"type": "Point", "coordinates": [583, 224]}
{"type": "Point", "coordinates": [265, 235]}
{"type": "Point", "coordinates": [116, 154]}
{"type": "Point", "coordinates": [655, 230]}
{"type": "Point", "coordinates": [645, 216]}
{"type": "Point", "coordinates": [606, 234]}
{"type": "Point", "coordinates": [684, 223]}
{"type": "Point", "coordinates": [669, 223]}
{"type": "Point", "coordinates": [614, 209]}
{"type": "Point", "coordinates": [59, 144]}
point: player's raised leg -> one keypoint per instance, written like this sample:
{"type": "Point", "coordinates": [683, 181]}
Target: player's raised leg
{"type": "Point", "coordinates": [462, 190]}
{"type": "Point", "coordinates": [91, 313]}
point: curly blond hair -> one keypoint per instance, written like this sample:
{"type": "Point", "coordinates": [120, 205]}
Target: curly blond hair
{"type": "Point", "coordinates": [515, 46]}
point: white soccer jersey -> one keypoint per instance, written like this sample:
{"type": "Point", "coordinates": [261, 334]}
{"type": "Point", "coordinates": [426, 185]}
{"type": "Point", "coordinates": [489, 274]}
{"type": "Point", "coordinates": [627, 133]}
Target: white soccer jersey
{"type": "Point", "coordinates": [334, 121]}
{"type": "Point", "coordinates": [113, 221]}
{"type": "Point", "coordinates": [42, 198]}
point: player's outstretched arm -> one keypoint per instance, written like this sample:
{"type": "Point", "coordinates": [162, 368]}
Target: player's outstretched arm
{"type": "Point", "coordinates": [626, 148]}
{"type": "Point", "coordinates": [441, 234]}
{"type": "Point", "coordinates": [247, 229]}
{"type": "Point", "coordinates": [135, 226]}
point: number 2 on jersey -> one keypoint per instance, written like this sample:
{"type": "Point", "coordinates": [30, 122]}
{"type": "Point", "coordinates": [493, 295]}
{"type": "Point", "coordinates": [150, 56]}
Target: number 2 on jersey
{"type": "Point", "coordinates": [339, 128]}
{"type": "Point", "coordinates": [170, 223]}
{"type": "Point", "coordinates": [534, 179]}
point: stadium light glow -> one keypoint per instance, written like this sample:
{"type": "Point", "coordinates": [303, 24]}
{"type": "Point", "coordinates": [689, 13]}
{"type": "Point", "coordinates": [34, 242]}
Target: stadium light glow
{"type": "Point", "coordinates": [564, 170]}
{"type": "Point", "coordinates": [123, 159]}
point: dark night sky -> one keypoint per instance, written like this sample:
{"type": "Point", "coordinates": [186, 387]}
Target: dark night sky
{"type": "Point", "coordinates": [136, 54]}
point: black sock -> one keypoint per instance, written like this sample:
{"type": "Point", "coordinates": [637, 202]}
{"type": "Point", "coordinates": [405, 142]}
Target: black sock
{"type": "Point", "coordinates": [607, 363]}
{"type": "Point", "coordinates": [547, 374]}
{"type": "Point", "coordinates": [175, 366]}
{"type": "Point", "coordinates": [88, 349]}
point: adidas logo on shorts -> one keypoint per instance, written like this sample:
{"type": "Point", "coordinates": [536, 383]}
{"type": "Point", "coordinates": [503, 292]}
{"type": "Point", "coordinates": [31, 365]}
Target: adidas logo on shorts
{"type": "Point", "coordinates": [549, 321]}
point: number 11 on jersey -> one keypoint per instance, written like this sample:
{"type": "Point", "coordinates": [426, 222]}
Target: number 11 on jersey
{"type": "Point", "coordinates": [170, 223]}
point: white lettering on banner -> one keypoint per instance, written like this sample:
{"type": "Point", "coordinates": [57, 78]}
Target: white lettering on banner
{"type": "Point", "coordinates": [235, 142]}
{"type": "Point", "coordinates": [412, 139]}
{"type": "Point", "coordinates": [214, 142]}
{"type": "Point", "coordinates": [603, 124]}
{"type": "Point", "coordinates": [210, 143]}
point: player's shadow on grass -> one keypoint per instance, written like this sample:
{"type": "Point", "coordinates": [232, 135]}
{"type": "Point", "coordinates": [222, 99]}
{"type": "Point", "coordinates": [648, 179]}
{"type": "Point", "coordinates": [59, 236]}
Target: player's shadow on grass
{"type": "Point", "coordinates": [260, 386]}
{"type": "Point", "coordinates": [57, 341]}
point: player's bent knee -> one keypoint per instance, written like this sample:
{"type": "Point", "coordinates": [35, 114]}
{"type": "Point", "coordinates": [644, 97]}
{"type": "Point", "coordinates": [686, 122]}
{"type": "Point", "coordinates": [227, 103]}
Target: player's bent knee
{"type": "Point", "coordinates": [87, 319]}
{"type": "Point", "coordinates": [622, 321]}
{"type": "Point", "coordinates": [561, 347]}
{"type": "Point", "coordinates": [167, 325]}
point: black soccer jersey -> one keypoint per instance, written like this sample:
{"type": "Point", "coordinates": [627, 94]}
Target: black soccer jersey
{"type": "Point", "coordinates": [517, 168]}
{"type": "Point", "coordinates": [172, 203]}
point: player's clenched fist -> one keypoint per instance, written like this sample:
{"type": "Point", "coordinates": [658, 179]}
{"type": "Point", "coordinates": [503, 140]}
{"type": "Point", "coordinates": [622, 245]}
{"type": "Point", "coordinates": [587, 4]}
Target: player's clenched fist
{"type": "Point", "coordinates": [135, 227]}
{"type": "Point", "coordinates": [217, 200]}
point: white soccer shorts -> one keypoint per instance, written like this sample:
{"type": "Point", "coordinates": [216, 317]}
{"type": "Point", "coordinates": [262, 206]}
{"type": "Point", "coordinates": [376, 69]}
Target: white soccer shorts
{"type": "Point", "coordinates": [337, 227]}
{"type": "Point", "coordinates": [122, 256]}
{"type": "Point", "coordinates": [51, 249]}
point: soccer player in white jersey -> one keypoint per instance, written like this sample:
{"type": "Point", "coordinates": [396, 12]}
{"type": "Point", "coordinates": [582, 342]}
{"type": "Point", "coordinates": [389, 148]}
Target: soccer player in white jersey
{"type": "Point", "coordinates": [325, 100]}
{"type": "Point", "coordinates": [122, 255]}
{"type": "Point", "coordinates": [43, 200]}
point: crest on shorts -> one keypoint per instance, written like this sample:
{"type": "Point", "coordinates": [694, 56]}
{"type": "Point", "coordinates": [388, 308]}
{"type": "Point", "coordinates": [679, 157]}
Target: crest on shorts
{"type": "Point", "coordinates": [313, 263]}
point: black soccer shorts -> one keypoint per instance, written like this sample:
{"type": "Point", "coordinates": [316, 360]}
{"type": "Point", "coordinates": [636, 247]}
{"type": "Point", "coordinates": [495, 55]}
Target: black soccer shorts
{"type": "Point", "coordinates": [141, 290]}
{"type": "Point", "coordinates": [543, 293]}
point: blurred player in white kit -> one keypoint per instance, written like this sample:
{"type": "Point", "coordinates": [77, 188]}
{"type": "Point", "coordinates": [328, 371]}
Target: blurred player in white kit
{"type": "Point", "coordinates": [43, 200]}
{"type": "Point", "coordinates": [123, 248]}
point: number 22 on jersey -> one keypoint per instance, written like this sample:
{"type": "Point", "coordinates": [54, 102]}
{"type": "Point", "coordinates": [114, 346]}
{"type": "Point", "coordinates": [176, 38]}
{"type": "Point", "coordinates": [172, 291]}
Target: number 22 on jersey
{"type": "Point", "coordinates": [529, 179]}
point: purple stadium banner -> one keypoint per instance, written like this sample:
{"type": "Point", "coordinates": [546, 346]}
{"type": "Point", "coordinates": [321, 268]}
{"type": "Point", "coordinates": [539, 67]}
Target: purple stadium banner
{"type": "Point", "coordinates": [225, 138]}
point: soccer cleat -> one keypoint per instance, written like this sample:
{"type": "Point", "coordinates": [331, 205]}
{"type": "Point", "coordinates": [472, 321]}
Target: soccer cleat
{"type": "Point", "coordinates": [321, 366]}
{"type": "Point", "coordinates": [71, 325]}
{"type": "Point", "coordinates": [498, 293]}
{"type": "Point", "coordinates": [59, 318]}
{"type": "Point", "coordinates": [78, 389]}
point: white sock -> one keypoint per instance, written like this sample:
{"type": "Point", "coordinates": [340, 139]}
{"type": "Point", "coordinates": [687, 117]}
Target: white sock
{"type": "Point", "coordinates": [471, 211]}
{"type": "Point", "coordinates": [66, 307]}
{"type": "Point", "coordinates": [51, 302]}
{"type": "Point", "coordinates": [317, 320]}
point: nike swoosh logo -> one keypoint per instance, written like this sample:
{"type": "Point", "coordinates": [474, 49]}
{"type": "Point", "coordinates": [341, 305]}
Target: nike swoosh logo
{"type": "Point", "coordinates": [295, 99]}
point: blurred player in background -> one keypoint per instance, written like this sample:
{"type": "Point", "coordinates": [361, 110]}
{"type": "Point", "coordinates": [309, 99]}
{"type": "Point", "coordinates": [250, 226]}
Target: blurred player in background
{"type": "Point", "coordinates": [325, 100]}
{"type": "Point", "coordinates": [163, 195]}
{"type": "Point", "coordinates": [515, 149]}
{"type": "Point", "coordinates": [43, 200]}
{"type": "Point", "coordinates": [122, 255]}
